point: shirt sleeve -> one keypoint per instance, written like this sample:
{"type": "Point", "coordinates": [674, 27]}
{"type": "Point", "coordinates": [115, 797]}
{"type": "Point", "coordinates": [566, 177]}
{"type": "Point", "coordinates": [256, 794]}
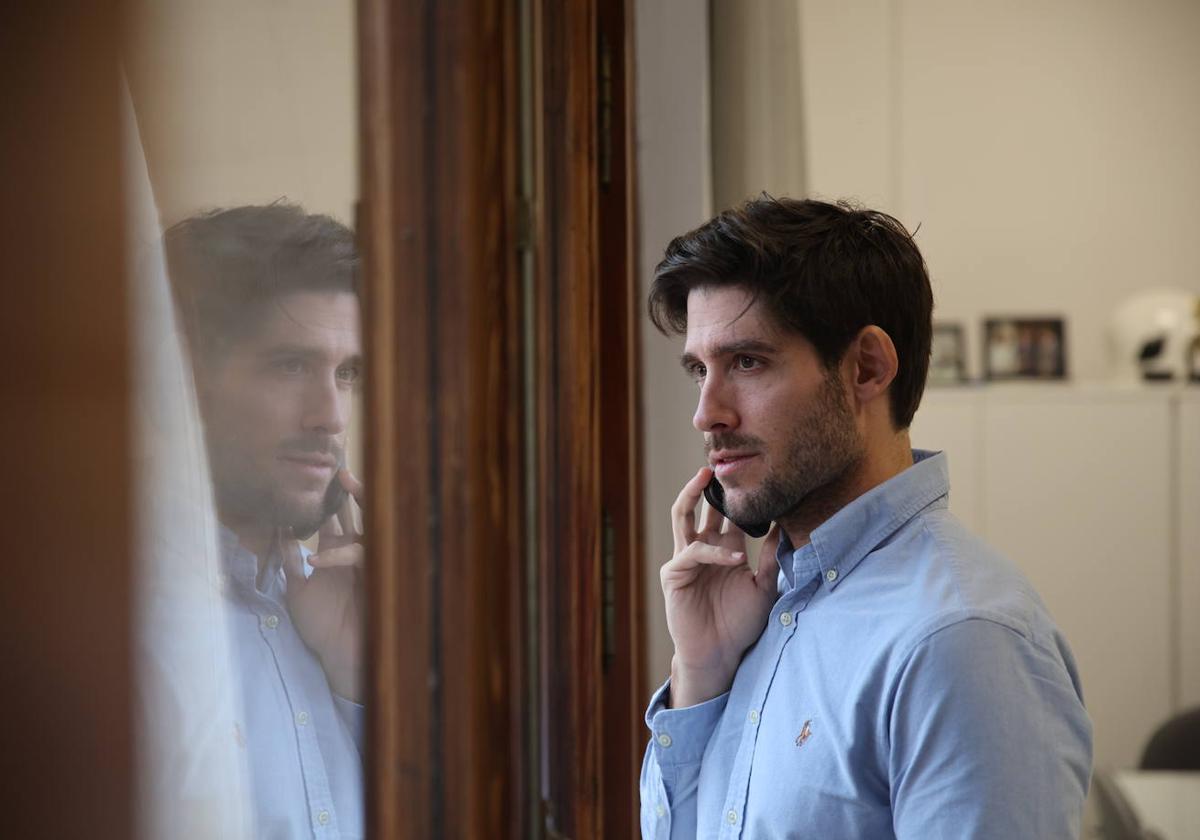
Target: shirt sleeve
{"type": "Point", "coordinates": [989, 739]}
{"type": "Point", "coordinates": [671, 766]}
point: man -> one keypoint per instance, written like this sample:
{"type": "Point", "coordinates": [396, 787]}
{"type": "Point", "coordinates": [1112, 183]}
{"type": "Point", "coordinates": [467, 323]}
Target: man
{"type": "Point", "coordinates": [882, 673]}
{"type": "Point", "coordinates": [268, 304]}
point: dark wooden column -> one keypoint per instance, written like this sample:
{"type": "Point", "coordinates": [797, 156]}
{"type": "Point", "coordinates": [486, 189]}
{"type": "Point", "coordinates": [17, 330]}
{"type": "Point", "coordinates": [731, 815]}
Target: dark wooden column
{"type": "Point", "coordinates": [463, 745]}
{"type": "Point", "coordinates": [445, 407]}
{"type": "Point", "coordinates": [588, 422]}
{"type": "Point", "coordinates": [66, 607]}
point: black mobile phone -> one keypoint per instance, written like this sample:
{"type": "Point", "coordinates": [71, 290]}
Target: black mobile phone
{"type": "Point", "coordinates": [715, 494]}
{"type": "Point", "coordinates": [335, 495]}
{"type": "Point", "coordinates": [331, 503]}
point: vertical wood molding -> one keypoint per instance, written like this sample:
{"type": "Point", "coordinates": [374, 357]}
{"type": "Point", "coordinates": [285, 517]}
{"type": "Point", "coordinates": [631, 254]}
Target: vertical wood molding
{"type": "Point", "coordinates": [444, 409]}
{"type": "Point", "coordinates": [568, 399]}
{"type": "Point", "coordinates": [445, 442]}
{"type": "Point", "coordinates": [623, 681]}
{"type": "Point", "coordinates": [401, 759]}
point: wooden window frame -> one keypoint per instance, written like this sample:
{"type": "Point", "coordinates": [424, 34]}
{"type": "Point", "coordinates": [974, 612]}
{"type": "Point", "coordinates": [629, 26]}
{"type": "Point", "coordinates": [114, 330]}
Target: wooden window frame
{"type": "Point", "coordinates": [442, 224]}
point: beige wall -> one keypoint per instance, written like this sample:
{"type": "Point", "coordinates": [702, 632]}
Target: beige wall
{"type": "Point", "coordinates": [674, 196]}
{"type": "Point", "coordinates": [246, 102]}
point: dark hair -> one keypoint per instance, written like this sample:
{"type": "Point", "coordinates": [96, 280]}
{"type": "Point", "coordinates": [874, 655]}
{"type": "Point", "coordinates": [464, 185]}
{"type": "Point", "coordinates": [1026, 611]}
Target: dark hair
{"type": "Point", "coordinates": [822, 270]}
{"type": "Point", "coordinates": [227, 266]}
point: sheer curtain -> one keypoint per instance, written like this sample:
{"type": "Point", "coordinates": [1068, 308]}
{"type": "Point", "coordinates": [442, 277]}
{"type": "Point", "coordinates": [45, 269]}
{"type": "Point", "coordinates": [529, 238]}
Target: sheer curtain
{"type": "Point", "coordinates": [193, 775]}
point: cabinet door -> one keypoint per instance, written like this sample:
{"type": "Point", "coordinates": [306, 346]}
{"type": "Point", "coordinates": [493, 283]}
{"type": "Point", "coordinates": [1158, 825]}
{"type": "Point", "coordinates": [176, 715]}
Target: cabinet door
{"type": "Point", "coordinates": [1078, 495]}
{"type": "Point", "coordinates": [1187, 517]}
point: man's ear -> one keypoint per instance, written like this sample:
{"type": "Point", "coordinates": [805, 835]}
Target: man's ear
{"type": "Point", "coordinates": [873, 364]}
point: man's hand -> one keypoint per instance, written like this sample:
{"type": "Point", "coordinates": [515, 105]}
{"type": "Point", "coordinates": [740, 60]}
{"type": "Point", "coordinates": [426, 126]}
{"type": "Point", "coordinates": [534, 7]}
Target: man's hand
{"type": "Point", "coordinates": [716, 604]}
{"type": "Point", "coordinates": [327, 607]}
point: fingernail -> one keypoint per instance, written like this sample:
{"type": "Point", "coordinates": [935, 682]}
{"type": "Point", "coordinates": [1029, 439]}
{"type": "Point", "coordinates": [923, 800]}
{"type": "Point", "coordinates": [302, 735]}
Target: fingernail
{"type": "Point", "coordinates": [739, 555]}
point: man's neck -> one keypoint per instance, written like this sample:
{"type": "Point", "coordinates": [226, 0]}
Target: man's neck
{"type": "Point", "coordinates": [878, 465]}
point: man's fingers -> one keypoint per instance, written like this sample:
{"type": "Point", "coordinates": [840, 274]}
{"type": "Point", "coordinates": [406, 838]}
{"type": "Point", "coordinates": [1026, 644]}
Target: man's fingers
{"type": "Point", "coordinates": [353, 486]}
{"type": "Point", "coordinates": [683, 512]}
{"type": "Point", "coordinates": [293, 562]}
{"type": "Point", "coordinates": [682, 568]}
{"type": "Point", "coordinates": [767, 574]}
{"type": "Point", "coordinates": [346, 555]}
{"type": "Point", "coordinates": [712, 518]}
{"type": "Point", "coordinates": [330, 528]}
{"type": "Point", "coordinates": [354, 490]}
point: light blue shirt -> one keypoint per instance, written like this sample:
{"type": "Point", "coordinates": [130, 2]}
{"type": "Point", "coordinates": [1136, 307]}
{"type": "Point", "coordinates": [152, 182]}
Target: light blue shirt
{"type": "Point", "coordinates": [303, 743]}
{"type": "Point", "coordinates": [909, 683]}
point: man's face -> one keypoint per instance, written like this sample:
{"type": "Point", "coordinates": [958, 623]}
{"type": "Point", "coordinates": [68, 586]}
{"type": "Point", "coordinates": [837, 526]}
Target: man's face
{"type": "Point", "coordinates": [777, 425]}
{"type": "Point", "coordinates": [276, 408]}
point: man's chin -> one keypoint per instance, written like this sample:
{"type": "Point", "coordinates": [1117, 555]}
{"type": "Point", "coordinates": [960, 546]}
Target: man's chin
{"type": "Point", "coordinates": [303, 514]}
{"type": "Point", "coordinates": [748, 507]}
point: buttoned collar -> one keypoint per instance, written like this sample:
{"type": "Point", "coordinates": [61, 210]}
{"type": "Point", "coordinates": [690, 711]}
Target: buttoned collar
{"type": "Point", "coordinates": [840, 543]}
{"type": "Point", "coordinates": [240, 565]}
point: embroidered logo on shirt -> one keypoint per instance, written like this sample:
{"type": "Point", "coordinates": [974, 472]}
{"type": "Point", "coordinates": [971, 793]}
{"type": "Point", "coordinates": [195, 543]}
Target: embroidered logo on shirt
{"type": "Point", "coordinates": [805, 732]}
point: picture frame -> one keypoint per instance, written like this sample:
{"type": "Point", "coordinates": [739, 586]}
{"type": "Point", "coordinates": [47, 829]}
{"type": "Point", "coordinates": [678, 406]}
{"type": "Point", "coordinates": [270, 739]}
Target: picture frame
{"type": "Point", "coordinates": [947, 356]}
{"type": "Point", "coordinates": [1024, 348]}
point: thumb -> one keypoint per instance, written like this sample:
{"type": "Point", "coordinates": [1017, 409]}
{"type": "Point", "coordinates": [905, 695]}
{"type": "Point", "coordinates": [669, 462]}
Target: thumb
{"type": "Point", "coordinates": [767, 573]}
{"type": "Point", "coordinates": [293, 565]}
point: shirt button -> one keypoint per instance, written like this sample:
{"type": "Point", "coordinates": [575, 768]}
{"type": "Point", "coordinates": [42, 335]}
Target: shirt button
{"type": "Point", "coordinates": [302, 718]}
{"type": "Point", "coordinates": [831, 575]}
{"type": "Point", "coordinates": [664, 739]}
{"type": "Point", "coordinates": [660, 810]}
{"type": "Point", "coordinates": [785, 618]}
{"type": "Point", "coordinates": [754, 715]}
{"type": "Point", "coordinates": [731, 817]}
{"type": "Point", "coordinates": [323, 818]}
{"type": "Point", "coordinates": [272, 622]}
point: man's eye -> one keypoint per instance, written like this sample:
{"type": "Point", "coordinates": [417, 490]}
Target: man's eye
{"type": "Point", "coordinates": [348, 374]}
{"type": "Point", "coordinates": [746, 362]}
{"type": "Point", "coordinates": [289, 366]}
{"type": "Point", "coordinates": [696, 372]}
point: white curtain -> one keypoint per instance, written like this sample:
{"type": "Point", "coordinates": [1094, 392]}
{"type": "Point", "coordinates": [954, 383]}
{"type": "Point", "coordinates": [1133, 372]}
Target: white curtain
{"type": "Point", "coordinates": [192, 774]}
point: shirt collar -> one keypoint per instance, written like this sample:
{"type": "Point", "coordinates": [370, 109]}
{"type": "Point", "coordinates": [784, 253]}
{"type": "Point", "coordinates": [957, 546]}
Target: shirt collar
{"type": "Point", "coordinates": [240, 565]}
{"type": "Point", "coordinates": [838, 545]}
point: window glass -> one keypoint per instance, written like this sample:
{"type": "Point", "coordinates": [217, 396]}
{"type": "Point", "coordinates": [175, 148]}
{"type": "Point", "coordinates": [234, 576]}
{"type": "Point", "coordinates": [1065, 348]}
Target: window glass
{"type": "Point", "coordinates": [241, 168]}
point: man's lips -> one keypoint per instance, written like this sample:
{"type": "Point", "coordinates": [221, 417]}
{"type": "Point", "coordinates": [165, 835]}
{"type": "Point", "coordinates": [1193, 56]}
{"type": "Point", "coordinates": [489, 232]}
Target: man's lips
{"type": "Point", "coordinates": [313, 460]}
{"type": "Point", "coordinates": [727, 462]}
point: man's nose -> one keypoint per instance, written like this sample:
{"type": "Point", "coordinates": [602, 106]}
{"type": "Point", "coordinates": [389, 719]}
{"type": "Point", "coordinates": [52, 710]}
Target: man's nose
{"type": "Point", "coordinates": [327, 407]}
{"type": "Point", "coordinates": [715, 410]}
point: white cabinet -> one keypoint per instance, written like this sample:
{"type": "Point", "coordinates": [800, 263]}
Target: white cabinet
{"type": "Point", "coordinates": [1095, 493]}
{"type": "Point", "coordinates": [1187, 517]}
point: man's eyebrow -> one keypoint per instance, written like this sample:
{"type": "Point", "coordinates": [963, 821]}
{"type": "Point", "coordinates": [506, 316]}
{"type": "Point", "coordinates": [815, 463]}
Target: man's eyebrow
{"type": "Point", "coordinates": [304, 352]}
{"type": "Point", "coordinates": [732, 348]}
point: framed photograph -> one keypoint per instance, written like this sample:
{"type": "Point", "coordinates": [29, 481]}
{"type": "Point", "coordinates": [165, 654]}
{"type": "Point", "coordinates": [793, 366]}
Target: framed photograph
{"type": "Point", "coordinates": [947, 358]}
{"type": "Point", "coordinates": [1024, 348]}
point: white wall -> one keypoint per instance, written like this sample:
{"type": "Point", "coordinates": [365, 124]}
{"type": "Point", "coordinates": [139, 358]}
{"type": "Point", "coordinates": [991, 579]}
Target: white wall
{"type": "Point", "coordinates": [674, 196]}
{"type": "Point", "coordinates": [1047, 150]}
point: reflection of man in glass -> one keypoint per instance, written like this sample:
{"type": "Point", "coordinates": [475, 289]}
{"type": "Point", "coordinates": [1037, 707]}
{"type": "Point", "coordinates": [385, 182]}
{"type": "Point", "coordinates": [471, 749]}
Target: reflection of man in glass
{"type": "Point", "coordinates": [268, 302]}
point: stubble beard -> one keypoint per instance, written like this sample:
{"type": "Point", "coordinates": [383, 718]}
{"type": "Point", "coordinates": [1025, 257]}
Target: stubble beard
{"type": "Point", "coordinates": [824, 449]}
{"type": "Point", "coordinates": [256, 499]}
